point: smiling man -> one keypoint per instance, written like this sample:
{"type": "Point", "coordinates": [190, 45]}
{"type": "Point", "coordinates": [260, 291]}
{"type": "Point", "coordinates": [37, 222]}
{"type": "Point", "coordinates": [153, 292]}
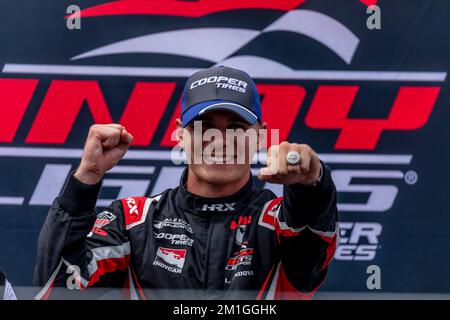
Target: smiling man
{"type": "Point", "coordinates": [216, 235]}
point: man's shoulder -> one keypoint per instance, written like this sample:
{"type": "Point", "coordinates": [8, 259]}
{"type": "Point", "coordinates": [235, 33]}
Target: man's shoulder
{"type": "Point", "coordinates": [138, 202]}
{"type": "Point", "coordinates": [264, 195]}
{"type": "Point", "coordinates": [134, 210]}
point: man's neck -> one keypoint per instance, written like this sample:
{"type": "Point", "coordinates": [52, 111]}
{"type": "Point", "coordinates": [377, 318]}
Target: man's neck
{"type": "Point", "coordinates": [204, 189]}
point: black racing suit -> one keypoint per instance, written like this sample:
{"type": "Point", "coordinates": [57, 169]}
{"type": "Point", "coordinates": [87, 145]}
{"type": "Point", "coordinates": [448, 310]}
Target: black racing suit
{"type": "Point", "coordinates": [248, 245]}
{"type": "Point", "coordinates": [6, 290]}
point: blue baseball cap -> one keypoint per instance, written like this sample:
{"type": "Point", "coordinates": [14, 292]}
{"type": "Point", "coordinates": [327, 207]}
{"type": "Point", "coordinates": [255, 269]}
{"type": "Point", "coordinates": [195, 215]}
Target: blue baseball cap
{"type": "Point", "coordinates": [220, 88]}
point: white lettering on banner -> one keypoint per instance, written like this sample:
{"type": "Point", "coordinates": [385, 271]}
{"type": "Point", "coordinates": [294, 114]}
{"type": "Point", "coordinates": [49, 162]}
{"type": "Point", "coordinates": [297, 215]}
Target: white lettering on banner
{"type": "Point", "coordinates": [53, 177]}
{"type": "Point", "coordinates": [381, 197]}
{"type": "Point", "coordinates": [358, 241]}
{"type": "Point", "coordinates": [51, 181]}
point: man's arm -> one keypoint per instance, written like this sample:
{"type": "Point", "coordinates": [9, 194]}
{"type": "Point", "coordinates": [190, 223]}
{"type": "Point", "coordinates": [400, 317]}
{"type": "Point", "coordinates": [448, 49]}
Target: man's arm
{"type": "Point", "coordinates": [305, 220]}
{"type": "Point", "coordinates": [77, 247]}
{"type": "Point", "coordinates": [312, 211]}
{"type": "Point", "coordinates": [6, 290]}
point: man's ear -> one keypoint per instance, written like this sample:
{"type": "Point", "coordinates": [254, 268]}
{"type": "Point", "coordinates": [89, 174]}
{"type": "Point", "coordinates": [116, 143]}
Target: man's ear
{"type": "Point", "coordinates": [262, 136]}
{"type": "Point", "coordinates": [179, 132]}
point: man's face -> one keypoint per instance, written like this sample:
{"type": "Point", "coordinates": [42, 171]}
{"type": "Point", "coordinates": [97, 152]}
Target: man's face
{"type": "Point", "coordinates": [220, 146]}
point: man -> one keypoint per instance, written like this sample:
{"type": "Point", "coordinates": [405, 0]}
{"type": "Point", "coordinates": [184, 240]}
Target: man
{"type": "Point", "coordinates": [6, 290]}
{"type": "Point", "coordinates": [216, 235]}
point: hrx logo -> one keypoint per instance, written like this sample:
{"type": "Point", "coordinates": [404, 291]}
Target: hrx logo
{"type": "Point", "coordinates": [132, 206]}
{"type": "Point", "coordinates": [221, 207]}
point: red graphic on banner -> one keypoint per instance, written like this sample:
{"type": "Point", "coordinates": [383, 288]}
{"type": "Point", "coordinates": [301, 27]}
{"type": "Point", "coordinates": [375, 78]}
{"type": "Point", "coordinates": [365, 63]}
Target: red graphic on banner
{"type": "Point", "coordinates": [15, 95]}
{"type": "Point", "coordinates": [184, 8]}
{"type": "Point", "coordinates": [331, 105]}
{"type": "Point", "coordinates": [192, 9]}
{"type": "Point", "coordinates": [65, 98]}
{"type": "Point", "coordinates": [369, 2]}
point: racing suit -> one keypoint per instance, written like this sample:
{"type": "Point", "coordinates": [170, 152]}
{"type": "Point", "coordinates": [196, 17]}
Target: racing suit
{"type": "Point", "coordinates": [251, 244]}
{"type": "Point", "coordinates": [6, 290]}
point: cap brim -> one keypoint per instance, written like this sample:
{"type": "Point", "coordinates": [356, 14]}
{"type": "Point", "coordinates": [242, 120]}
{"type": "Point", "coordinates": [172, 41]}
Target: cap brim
{"type": "Point", "coordinates": [197, 110]}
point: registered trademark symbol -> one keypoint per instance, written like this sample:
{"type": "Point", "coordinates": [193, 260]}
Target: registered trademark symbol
{"type": "Point", "coordinates": [411, 177]}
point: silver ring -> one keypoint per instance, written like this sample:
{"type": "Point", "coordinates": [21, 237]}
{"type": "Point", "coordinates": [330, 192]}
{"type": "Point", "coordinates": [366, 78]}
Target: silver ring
{"type": "Point", "coordinates": [293, 157]}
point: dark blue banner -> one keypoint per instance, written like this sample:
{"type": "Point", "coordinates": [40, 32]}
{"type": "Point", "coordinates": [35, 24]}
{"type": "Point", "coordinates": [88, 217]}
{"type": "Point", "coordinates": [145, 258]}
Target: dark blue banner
{"type": "Point", "coordinates": [366, 88]}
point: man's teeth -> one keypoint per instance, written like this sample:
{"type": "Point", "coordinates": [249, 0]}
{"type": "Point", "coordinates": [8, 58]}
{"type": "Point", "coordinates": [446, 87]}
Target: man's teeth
{"type": "Point", "coordinates": [219, 159]}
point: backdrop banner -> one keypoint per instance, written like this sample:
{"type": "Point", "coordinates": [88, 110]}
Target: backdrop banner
{"type": "Point", "coordinates": [372, 100]}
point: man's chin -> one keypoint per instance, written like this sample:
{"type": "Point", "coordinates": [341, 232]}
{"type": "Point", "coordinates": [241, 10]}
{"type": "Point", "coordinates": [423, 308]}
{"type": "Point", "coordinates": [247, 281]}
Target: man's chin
{"type": "Point", "coordinates": [222, 173]}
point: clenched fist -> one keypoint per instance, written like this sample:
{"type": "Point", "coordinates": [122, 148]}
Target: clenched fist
{"type": "Point", "coordinates": [105, 146]}
{"type": "Point", "coordinates": [278, 170]}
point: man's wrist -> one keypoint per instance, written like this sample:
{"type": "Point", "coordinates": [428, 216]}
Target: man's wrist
{"type": "Point", "coordinates": [79, 198]}
{"type": "Point", "coordinates": [319, 178]}
{"type": "Point", "coordinates": [87, 177]}
{"type": "Point", "coordinates": [314, 181]}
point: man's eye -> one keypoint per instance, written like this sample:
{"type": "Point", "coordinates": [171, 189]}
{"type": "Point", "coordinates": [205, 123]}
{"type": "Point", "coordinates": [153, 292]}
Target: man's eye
{"type": "Point", "coordinates": [206, 125]}
{"type": "Point", "coordinates": [237, 126]}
